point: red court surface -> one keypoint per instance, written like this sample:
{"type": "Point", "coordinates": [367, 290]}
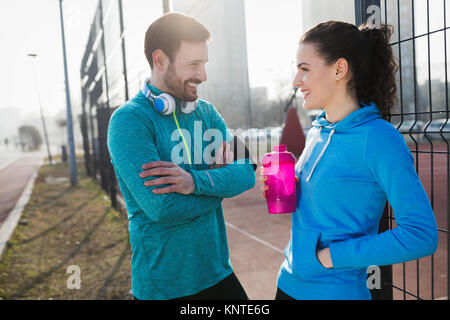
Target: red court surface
{"type": "Point", "coordinates": [256, 241]}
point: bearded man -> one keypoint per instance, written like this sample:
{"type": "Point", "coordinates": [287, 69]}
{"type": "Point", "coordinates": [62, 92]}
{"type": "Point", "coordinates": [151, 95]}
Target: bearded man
{"type": "Point", "coordinates": [173, 179]}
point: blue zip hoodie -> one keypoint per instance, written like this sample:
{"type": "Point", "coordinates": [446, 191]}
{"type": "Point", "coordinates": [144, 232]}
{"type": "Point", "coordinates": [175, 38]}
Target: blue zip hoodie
{"type": "Point", "coordinates": [347, 172]}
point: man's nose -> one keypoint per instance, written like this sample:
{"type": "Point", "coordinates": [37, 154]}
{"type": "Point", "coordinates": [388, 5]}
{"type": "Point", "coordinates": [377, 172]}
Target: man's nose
{"type": "Point", "coordinates": [201, 75]}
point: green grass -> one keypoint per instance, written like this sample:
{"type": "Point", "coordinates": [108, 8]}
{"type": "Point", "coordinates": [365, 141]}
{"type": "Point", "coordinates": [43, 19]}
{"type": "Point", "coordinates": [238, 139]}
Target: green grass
{"type": "Point", "coordinates": [63, 226]}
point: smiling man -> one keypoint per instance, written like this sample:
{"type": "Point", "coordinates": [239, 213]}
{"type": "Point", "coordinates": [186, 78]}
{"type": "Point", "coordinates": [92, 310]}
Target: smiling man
{"type": "Point", "coordinates": [176, 224]}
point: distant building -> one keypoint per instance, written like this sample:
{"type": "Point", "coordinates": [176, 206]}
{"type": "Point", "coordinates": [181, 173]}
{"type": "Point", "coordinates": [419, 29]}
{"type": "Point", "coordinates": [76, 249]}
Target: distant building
{"type": "Point", "coordinates": [227, 87]}
{"type": "Point", "coordinates": [259, 96]}
{"type": "Point", "coordinates": [9, 122]}
{"type": "Point", "coordinates": [317, 11]}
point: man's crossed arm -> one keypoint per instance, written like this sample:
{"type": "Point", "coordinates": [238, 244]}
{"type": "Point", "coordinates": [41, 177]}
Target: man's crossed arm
{"type": "Point", "coordinates": [180, 180]}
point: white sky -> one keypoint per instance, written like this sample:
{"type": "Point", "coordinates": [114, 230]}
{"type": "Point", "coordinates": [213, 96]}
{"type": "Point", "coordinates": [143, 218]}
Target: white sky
{"type": "Point", "coordinates": [33, 26]}
{"type": "Point", "coordinates": [273, 30]}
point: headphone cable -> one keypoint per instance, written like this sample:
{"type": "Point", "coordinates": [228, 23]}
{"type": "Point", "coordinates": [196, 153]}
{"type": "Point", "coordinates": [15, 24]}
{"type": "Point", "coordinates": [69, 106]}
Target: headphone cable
{"type": "Point", "coordinates": [182, 137]}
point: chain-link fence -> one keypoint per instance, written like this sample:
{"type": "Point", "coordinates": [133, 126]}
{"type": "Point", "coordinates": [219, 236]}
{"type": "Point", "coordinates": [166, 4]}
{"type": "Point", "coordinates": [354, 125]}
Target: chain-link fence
{"type": "Point", "coordinates": [421, 115]}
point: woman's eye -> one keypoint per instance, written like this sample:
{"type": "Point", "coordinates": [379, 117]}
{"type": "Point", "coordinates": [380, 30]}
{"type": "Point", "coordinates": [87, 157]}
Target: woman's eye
{"type": "Point", "coordinates": [304, 69]}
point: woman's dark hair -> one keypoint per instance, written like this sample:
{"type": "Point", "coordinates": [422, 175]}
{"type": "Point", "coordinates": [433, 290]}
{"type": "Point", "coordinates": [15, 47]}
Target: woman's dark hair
{"type": "Point", "coordinates": [167, 33]}
{"type": "Point", "coordinates": [369, 55]}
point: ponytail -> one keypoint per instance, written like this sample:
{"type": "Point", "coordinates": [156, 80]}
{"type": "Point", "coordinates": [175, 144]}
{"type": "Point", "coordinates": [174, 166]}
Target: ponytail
{"type": "Point", "coordinates": [369, 55]}
{"type": "Point", "coordinates": [380, 87]}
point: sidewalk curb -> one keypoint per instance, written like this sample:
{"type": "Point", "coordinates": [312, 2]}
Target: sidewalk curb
{"type": "Point", "coordinates": [10, 223]}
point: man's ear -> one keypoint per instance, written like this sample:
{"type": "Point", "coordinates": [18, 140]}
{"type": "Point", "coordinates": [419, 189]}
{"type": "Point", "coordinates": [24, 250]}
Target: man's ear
{"type": "Point", "coordinates": [160, 60]}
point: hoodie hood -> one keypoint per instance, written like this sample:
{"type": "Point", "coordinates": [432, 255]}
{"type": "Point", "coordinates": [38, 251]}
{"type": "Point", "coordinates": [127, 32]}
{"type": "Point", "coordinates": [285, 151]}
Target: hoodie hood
{"type": "Point", "coordinates": [366, 113]}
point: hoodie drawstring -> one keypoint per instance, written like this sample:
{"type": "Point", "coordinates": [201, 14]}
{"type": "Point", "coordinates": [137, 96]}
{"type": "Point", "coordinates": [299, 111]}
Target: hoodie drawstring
{"type": "Point", "coordinates": [310, 144]}
{"type": "Point", "coordinates": [321, 154]}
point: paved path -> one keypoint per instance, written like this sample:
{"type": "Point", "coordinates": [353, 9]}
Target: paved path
{"type": "Point", "coordinates": [16, 171]}
{"type": "Point", "coordinates": [8, 156]}
{"type": "Point", "coordinates": [256, 241]}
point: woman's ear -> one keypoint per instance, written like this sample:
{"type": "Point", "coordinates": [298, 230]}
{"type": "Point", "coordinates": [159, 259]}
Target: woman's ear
{"type": "Point", "coordinates": [341, 66]}
{"type": "Point", "coordinates": [160, 60]}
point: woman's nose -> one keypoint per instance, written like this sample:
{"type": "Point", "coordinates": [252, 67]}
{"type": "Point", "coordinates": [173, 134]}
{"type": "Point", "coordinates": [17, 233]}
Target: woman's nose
{"type": "Point", "coordinates": [298, 81]}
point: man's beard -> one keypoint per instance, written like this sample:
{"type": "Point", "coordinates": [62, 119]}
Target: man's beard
{"type": "Point", "coordinates": [177, 88]}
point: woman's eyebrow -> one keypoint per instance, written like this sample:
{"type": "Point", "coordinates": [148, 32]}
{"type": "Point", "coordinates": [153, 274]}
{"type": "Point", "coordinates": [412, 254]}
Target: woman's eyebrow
{"type": "Point", "coordinates": [303, 63]}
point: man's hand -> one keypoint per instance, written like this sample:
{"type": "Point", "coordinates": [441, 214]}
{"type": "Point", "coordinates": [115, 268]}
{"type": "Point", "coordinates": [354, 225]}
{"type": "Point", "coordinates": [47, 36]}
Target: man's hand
{"type": "Point", "coordinates": [180, 180]}
{"type": "Point", "coordinates": [224, 156]}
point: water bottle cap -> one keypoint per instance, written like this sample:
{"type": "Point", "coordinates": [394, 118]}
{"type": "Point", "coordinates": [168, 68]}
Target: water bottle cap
{"type": "Point", "coordinates": [280, 148]}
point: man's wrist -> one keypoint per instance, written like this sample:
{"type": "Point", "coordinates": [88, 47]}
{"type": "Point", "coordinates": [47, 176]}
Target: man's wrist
{"type": "Point", "coordinates": [192, 183]}
{"type": "Point", "coordinates": [194, 177]}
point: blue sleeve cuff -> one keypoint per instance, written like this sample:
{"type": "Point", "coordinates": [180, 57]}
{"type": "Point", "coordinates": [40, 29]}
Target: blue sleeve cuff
{"type": "Point", "coordinates": [202, 181]}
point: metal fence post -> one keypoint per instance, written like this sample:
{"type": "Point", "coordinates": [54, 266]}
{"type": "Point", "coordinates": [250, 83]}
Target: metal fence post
{"type": "Point", "coordinates": [72, 157]}
{"type": "Point", "coordinates": [361, 6]}
{"type": "Point", "coordinates": [84, 132]}
{"type": "Point", "coordinates": [107, 169]}
{"type": "Point", "coordinates": [124, 59]}
{"type": "Point", "coordinates": [386, 291]}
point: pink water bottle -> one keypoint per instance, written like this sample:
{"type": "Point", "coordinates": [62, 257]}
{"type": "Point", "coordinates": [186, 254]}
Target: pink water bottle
{"type": "Point", "coordinates": [279, 166]}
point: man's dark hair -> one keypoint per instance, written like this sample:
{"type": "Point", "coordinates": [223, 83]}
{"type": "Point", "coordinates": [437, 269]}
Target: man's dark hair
{"type": "Point", "coordinates": [169, 31]}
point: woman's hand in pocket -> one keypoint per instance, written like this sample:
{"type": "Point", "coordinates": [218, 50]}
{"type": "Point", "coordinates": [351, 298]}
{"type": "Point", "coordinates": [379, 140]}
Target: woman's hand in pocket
{"type": "Point", "coordinates": [324, 258]}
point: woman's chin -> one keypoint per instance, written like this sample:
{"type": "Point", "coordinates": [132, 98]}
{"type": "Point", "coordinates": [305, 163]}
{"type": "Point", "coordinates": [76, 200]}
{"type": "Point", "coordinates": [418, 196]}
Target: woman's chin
{"type": "Point", "coordinates": [307, 105]}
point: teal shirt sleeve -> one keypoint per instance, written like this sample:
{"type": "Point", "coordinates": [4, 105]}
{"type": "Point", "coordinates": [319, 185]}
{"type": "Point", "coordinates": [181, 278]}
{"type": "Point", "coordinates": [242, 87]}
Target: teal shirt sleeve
{"type": "Point", "coordinates": [415, 235]}
{"type": "Point", "coordinates": [227, 181]}
{"type": "Point", "coordinates": [131, 144]}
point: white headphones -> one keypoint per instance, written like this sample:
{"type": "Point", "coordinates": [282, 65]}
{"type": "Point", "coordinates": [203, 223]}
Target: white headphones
{"type": "Point", "coordinates": [165, 103]}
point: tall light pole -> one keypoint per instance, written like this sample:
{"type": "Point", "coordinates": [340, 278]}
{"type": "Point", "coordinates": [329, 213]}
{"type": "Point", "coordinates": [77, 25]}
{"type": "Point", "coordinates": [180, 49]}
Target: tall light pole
{"type": "Point", "coordinates": [44, 127]}
{"type": "Point", "coordinates": [72, 160]}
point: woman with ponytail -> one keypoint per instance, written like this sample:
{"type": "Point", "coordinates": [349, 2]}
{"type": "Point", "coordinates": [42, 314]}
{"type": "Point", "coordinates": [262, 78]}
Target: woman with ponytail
{"type": "Point", "coordinates": [354, 161]}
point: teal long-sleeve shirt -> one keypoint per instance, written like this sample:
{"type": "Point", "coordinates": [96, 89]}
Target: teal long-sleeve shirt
{"type": "Point", "coordinates": [179, 244]}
